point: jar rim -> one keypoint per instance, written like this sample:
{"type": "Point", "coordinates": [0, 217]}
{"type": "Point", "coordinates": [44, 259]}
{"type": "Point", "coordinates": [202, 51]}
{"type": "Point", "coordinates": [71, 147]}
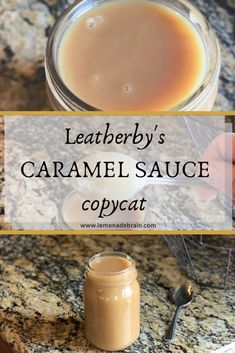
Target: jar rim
{"type": "Point", "coordinates": [105, 254]}
{"type": "Point", "coordinates": [69, 101]}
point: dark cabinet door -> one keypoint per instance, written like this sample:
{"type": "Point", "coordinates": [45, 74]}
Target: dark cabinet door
{"type": "Point", "coordinates": [4, 347]}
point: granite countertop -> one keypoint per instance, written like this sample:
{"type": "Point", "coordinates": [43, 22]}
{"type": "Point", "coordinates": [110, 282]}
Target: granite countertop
{"type": "Point", "coordinates": [41, 310]}
{"type": "Point", "coordinates": [1, 171]}
{"type": "Point", "coordinates": [41, 295]}
{"type": "Point", "coordinates": [24, 29]}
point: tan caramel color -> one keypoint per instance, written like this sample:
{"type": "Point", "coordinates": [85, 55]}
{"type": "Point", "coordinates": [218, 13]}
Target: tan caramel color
{"type": "Point", "coordinates": [111, 301]}
{"type": "Point", "coordinates": [110, 264]}
{"type": "Point", "coordinates": [132, 55]}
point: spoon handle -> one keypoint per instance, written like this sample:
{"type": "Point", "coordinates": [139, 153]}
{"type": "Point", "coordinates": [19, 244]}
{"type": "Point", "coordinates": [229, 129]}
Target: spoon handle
{"type": "Point", "coordinates": [171, 329]}
{"type": "Point", "coordinates": [178, 181]}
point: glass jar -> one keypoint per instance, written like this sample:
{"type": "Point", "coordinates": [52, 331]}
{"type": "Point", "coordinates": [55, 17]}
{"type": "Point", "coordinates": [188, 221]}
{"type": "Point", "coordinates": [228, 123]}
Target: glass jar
{"type": "Point", "coordinates": [69, 212]}
{"type": "Point", "coordinates": [70, 215]}
{"type": "Point", "coordinates": [111, 301]}
{"type": "Point", "coordinates": [203, 98]}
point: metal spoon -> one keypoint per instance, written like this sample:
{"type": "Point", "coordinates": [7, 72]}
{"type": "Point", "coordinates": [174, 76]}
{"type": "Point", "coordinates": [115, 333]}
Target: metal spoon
{"type": "Point", "coordinates": [126, 188]}
{"type": "Point", "coordinates": [182, 297]}
{"type": "Point", "coordinates": [181, 181]}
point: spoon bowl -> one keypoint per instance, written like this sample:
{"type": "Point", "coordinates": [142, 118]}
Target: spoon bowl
{"type": "Point", "coordinates": [182, 297]}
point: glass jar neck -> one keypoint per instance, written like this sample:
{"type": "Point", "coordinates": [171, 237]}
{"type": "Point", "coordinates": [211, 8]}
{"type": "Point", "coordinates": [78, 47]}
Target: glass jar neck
{"type": "Point", "coordinates": [106, 274]}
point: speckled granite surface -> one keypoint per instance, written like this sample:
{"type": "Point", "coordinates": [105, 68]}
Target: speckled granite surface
{"type": "Point", "coordinates": [24, 29]}
{"type": "Point", "coordinates": [1, 171]}
{"type": "Point", "coordinates": [41, 311]}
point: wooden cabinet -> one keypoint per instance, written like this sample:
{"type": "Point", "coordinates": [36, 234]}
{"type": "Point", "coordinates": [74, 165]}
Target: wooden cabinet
{"type": "Point", "coordinates": [4, 347]}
